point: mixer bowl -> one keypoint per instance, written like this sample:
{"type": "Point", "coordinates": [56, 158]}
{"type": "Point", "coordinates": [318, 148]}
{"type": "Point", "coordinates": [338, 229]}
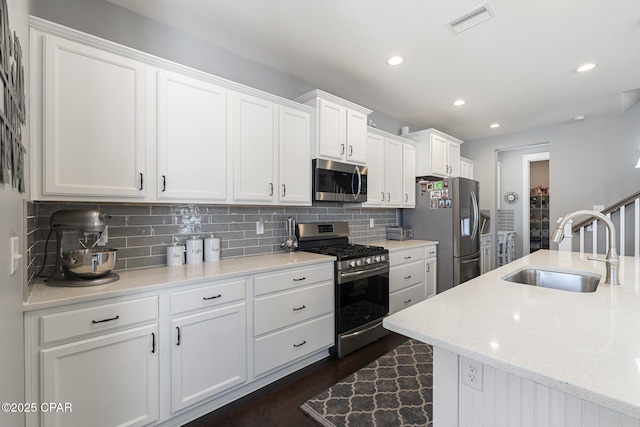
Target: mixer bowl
{"type": "Point", "coordinates": [89, 263]}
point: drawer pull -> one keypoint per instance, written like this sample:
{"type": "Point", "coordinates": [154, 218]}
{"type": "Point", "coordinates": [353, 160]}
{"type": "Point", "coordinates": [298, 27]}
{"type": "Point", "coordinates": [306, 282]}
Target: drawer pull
{"type": "Point", "coordinates": [407, 277]}
{"type": "Point", "coordinates": [407, 257]}
{"type": "Point", "coordinates": [213, 297]}
{"type": "Point", "coordinates": [178, 342]}
{"type": "Point", "coordinates": [300, 345]}
{"type": "Point", "coordinates": [299, 308]}
{"type": "Point", "coordinates": [300, 279]}
{"type": "Point", "coordinates": [408, 301]}
{"type": "Point", "coordinates": [105, 320]}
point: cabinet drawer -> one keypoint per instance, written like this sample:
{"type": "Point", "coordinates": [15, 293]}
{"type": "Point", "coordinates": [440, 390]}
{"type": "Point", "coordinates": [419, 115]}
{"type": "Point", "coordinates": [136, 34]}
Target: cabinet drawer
{"type": "Point", "coordinates": [207, 296]}
{"type": "Point", "coordinates": [430, 252]}
{"type": "Point", "coordinates": [402, 257]}
{"type": "Point", "coordinates": [288, 279]}
{"type": "Point", "coordinates": [406, 298]}
{"type": "Point", "coordinates": [290, 344]}
{"type": "Point", "coordinates": [99, 318]}
{"type": "Point", "coordinates": [285, 309]}
{"type": "Point", "coordinates": [406, 275]}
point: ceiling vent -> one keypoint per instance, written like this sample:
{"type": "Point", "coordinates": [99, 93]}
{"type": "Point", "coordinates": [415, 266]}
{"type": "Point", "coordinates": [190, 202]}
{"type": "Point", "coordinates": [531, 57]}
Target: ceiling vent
{"type": "Point", "coordinates": [471, 18]}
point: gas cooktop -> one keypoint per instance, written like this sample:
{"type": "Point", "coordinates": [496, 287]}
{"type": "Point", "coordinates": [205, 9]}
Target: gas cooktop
{"type": "Point", "coordinates": [348, 251]}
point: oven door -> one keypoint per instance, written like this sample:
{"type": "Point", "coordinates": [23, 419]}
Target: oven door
{"type": "Point", "coordinates": [361, 298]}
{"type": "Point", "coordinates": [339, 182]}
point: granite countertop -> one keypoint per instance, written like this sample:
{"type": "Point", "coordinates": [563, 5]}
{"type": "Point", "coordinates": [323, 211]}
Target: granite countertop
{"type": "Point", "coordinates": [583, 344]}
{"type": "Point", "coordinates": [157, 278]}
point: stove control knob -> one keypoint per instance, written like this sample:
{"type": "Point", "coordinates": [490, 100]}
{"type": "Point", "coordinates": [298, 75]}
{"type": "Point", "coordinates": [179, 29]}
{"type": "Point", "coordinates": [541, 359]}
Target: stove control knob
{"type": "Point", "coordinates": [358, 262]}
{"type": "Point", "coordinates": [383, 257]}
{"type": "Point", "coordinates": [352, 263]}
{"type": "Point", "coordinates": [377, 258]}
{"type": "Point", "coordinates": [367, 261]}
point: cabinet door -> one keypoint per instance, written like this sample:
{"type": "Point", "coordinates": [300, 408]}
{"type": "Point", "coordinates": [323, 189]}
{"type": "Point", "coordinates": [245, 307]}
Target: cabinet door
{"type": "Point", "coordinates": [409, 176]}
{"type": "Point", "coordinates": [192, 139]}
{"type": "Point", "coordinates": [439, 153]}
{"type": "Point", "coordinates": [94, 130]}
{"type": "Point", "coordinates": [375, 170]}
{"type": "Point", "coordinates": [332, 130]}
{"type": "Point", "coordinates": [453, 158]}
{"type": "Point", "coordinates": [209, 354]}
{"type": "Point", "coordinates": [109, 380]}
{"type": "Point", "coordinates": [431, 276]}
{"type": "Point", "coordinates": [254, 142]}
{"type": "Point", "coordinates": [393, 175]}
{"type": "Point", "coordinates": [294, 187]}
{"type": "Point", "coordinates": [356, 151]}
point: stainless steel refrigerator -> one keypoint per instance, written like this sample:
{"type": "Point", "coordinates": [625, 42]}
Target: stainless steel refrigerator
{"type": "Point", "coordinates": [448, 211]}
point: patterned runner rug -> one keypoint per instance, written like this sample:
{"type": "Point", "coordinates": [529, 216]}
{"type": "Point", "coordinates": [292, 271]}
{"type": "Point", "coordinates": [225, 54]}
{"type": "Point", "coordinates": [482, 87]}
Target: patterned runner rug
{"type": "Point", "coordinates": [394, 390]}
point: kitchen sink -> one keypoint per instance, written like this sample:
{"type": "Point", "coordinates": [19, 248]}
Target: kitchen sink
{"type": "Point", "coordinates": [564, 280]}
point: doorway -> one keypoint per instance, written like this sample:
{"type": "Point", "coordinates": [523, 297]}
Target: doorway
{"type": "Point", "coordinates": [513, 178]}
{"type": "Point", "coordinates": [535, 190]}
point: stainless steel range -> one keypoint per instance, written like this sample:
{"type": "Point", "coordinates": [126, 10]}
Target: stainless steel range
{"type": "Point", "coordinates": [362, 283]}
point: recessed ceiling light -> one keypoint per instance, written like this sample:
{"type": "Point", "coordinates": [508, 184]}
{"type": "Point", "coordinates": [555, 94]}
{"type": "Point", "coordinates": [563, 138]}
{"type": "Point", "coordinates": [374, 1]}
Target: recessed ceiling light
{"type": "Point", "coordinates": [395, 60]}
{"type": "Point", "coordinates": [494, 125]}
{"type": "Point", "coordinates": [459, 102]}
{"type": "Point", "coordinates": [578, 118]}
{"type": "Point", "coordinates": [586, 67]}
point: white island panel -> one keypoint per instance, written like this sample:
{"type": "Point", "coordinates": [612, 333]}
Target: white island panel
{"type": "Point", "coordinates": [583, 345]}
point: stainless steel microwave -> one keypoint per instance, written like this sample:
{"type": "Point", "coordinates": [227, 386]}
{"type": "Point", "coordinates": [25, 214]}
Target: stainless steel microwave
{"type": "Point", "coordinates": [339, 182]}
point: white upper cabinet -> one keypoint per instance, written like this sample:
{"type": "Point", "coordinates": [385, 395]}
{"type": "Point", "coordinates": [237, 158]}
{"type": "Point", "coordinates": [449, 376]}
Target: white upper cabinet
{"type": "Point", "coordinates": [409, 176]}
{"type": "Point", "coordinates": [390, 170]}
{"type": "Point", "coordinates": [90, 135]}
{"type": "Point", "coordinates": [437, 154]}
{"type": "Point", "coordinates": [294, 156]}
{"type": "Point", "coordinates": [393, 179]}
{"type": "Point", "coordinates": [340, 128]}
{"type": "Point", "coordinates": [115, 122]}
{"type": "Point", "coordinates": [466, 168]}
{"type": "Point", "coordinates": [253, 144]}
{"type": "Point", "coordinates": [192, 139]}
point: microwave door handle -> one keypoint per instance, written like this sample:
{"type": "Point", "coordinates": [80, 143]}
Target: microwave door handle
{"type": "Point", "coordinates": [357, 172]}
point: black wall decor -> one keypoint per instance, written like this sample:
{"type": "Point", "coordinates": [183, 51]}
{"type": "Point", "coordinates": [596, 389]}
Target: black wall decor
{"type": "Point", "coordinates": [12, 105]}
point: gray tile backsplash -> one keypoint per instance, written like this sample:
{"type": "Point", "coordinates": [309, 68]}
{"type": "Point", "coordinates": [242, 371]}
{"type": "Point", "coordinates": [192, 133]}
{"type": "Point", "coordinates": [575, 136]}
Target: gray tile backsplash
{"type": "Point", "coordinates": [141, 232]}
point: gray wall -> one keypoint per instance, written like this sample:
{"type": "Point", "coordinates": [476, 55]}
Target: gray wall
{"type": "Point", "coordinates": [111, 22]}
{"type": "Point", "coordinates": [12, 224]}
{"type": "Point", "coordinates": [591, 162]}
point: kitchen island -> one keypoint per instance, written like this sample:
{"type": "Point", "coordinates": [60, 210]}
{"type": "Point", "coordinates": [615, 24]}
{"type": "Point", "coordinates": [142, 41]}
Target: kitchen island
{"type": "Point", "coordinates": [508, 354]}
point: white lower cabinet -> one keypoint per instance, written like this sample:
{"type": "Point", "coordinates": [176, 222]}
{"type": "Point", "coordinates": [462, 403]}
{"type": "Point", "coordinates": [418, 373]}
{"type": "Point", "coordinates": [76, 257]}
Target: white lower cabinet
{"type": "Point", "coordinates": [172, 355]}
{"type": "Point", "coordinates": [293, 315]}
{"type": "Point", "coordinates": [208, 341]}
{"type": "Point", "coordinates": [110, 359]}
{"type": "Point", "coordinates": [95, 376]}
{"type": "Point", "coordinates": [406, 278]}
{"type": "Point", "coordinates": [412, 276]}
{"type": "Point", "coordinates": [431, 271]}
{"type": "Point", "coordinates": [486, 245]}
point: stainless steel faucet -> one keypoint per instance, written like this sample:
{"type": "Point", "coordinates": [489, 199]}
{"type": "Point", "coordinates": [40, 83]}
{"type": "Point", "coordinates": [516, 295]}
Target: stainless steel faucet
{"type": "Point", "coordinates": [612, 260]}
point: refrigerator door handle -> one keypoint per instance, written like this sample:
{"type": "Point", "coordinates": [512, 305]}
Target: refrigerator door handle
{"type": "Point", "coordinates": [476, 215]}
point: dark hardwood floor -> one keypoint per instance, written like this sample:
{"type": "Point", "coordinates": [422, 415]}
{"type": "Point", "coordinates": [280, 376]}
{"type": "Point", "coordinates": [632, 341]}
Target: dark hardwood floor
{"type": "Point", "coordinates": [277, 404]}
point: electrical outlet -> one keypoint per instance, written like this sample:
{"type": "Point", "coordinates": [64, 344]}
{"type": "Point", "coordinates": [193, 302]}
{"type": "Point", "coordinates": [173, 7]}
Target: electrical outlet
{"type": "Point", "coordinates": [371, 225]}
{"type": "Point", "coordinates": [471, 372]}
{"type": "Point", "coordinates": [260, 226]}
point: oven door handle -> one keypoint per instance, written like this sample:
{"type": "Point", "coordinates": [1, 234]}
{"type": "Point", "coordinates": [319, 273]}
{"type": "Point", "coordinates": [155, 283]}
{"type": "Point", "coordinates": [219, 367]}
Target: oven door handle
{"type": "Point", "coordinates": [344, 277]}
{"type": "Point", "coordinates": [354, 334]}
